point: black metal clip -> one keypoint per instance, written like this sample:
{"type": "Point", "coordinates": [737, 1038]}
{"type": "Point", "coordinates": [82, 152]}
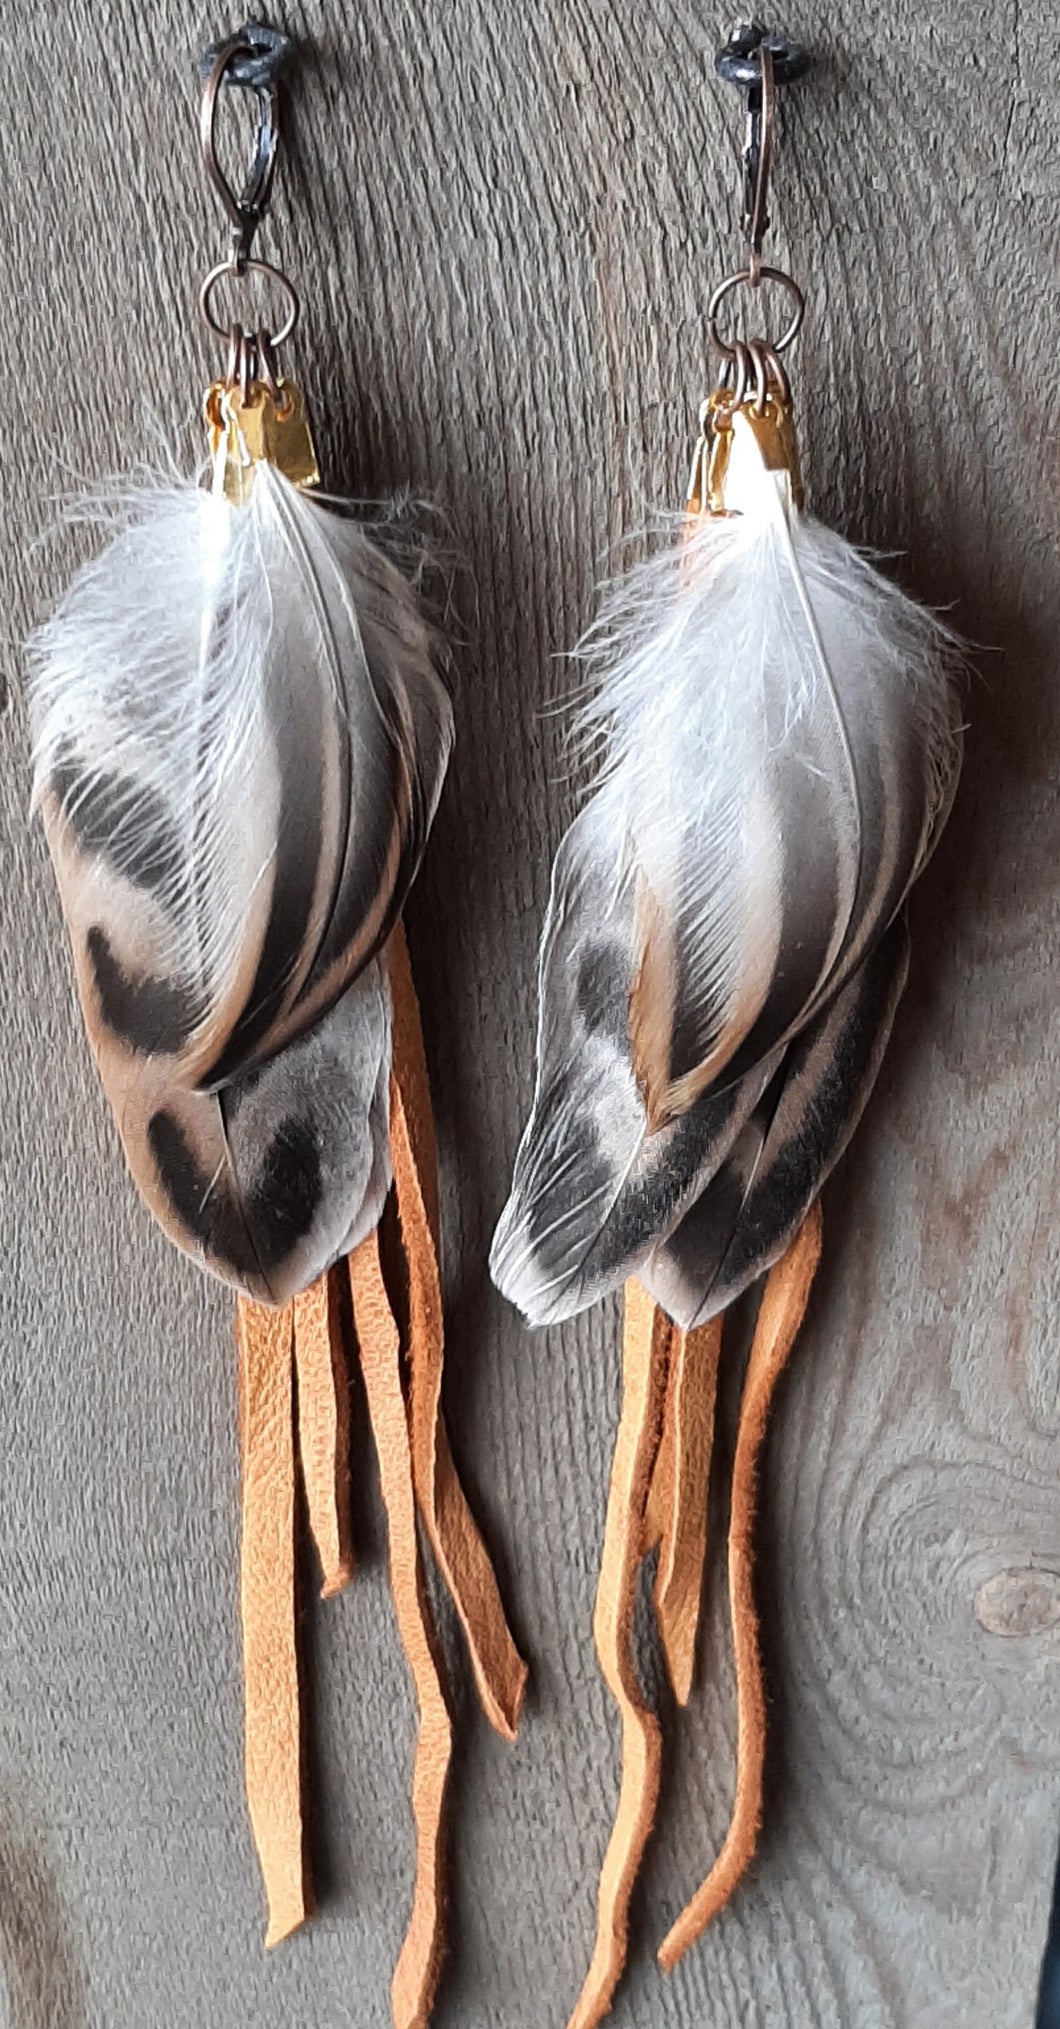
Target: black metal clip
{"type": "Point", "coordinates": [262, 57]}
{"type": "Point", "coordinates": [757, 60]}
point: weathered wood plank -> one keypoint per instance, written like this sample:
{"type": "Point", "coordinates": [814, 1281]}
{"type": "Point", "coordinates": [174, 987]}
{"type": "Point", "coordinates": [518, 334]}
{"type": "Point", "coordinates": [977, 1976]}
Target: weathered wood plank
{"type": "Point", "coordinates": [506, 221]}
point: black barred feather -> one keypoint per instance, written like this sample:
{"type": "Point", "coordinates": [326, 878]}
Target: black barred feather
{"type": "Point", "coordinates": [240, 740]}
{"type": "Point", "coordinates": [779, 743]}
{"type": "Point", "coordinates": [755, 1202]}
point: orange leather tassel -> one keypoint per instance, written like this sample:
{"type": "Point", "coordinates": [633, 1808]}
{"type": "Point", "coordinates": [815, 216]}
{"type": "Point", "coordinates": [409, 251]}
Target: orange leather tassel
{"type": "Point", "coordinates": [418, 1967]}
{"type": "Point", "coordinates": [643, 1385]}
{"type": "Point", "coordinates": [270, 1660]}
{"type": "Point", "coordinates": [499, 1670]}
{"type": "Point", "coordinates": [658, 1497]}
{"type": "Point", "coordinates": [783, 1307]}
{"type": "Point", "coordinates": [680, 1488]}
{"type": "Point", "coordinates": [324, 1427]}
{"type": "Point", "coordinates": [661, 1490]}
{"type": "Point", "coordinates": [416, 1473]}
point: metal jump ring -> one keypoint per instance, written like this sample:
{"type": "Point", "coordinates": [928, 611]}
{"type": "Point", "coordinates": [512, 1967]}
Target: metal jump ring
{"type": "Point", "coordinates": [269, 373]}
{"type": "Point", "coordinates": [746, 278]}
{"type": "Point", "coordinates": [241, 366]}
{"type": "Point", "coordinates": [248, 364]}
{"type": "Point", "coordinates": [235, 354]}
{"type": "Point", "coordinates": [777, 375]}
{"type": "Point", "coordinates": [741, 364]}
{"type": "Point", "coordinates": [265, 268]}
{"type": "Point", "coordinates": [757, 350]}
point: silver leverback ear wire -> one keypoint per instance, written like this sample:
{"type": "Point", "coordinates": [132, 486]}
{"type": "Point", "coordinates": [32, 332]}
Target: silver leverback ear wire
{"type": "Point", "coordinates": [758, 62]}
{"type": "Point", "coordinates": [252, 59]}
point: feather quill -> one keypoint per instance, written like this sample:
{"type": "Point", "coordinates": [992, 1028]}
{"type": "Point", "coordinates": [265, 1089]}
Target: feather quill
{"type": "Point", "coordinates": [778, 741]}
{"type": "Point", "coordinates": [239, 744]}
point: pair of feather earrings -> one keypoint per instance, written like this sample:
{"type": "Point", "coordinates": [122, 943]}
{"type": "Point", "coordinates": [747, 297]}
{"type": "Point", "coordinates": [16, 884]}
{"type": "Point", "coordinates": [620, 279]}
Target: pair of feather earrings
{"type": "Point", "coordinates": [238, 770]}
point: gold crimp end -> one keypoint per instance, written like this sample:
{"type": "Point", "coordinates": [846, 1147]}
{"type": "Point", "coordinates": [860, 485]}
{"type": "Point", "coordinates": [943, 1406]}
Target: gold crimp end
{"type": "Point", "coordinates": [258, 429]}
{"type": "Point", "coordinates": [763, 435]}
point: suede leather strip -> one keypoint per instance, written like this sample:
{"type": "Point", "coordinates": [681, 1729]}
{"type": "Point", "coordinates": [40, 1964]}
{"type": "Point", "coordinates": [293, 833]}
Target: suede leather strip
{"type": "Point", "coordinates": [324, 1427]}
{"type": "Point", "coordinates": [499, 1671]}
{"type": "Point", "coordinates": [783, 1307]}
{"type": "Point", "coordinates": [419, 1964]}
{"type": "Point", "coordinates": [267, 1589]}
{"type": "Point", "coordinates": [661, 1491]}
{"type": "Point", "coordinates": [636, 1447]}
{"type": "Point", "coordinates": [680, 1490]}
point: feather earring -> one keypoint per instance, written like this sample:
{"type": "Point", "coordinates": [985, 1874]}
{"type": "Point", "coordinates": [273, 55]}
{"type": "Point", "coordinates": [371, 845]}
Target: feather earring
{"type": "Point", "coordinates": [241, 737]}
{"type": "Point", "coordinates": [776, 731]}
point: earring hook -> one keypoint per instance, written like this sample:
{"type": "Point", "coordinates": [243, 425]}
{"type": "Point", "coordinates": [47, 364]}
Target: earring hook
{"type": "Point", "coordinates": [758, 161]}
{"type": "Point", "coordinates": [758, 61]}
{"type": "Point", "coordinates": [252, 59]}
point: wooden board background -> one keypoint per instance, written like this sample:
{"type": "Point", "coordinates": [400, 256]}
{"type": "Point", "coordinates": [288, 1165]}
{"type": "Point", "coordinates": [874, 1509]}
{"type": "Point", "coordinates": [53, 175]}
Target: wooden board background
{"type": "Point", "coordinates": [506, 220]}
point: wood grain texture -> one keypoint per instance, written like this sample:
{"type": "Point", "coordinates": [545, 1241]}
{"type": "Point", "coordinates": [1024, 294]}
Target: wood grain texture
{"type": "Point", "coordinates": [506, 221]}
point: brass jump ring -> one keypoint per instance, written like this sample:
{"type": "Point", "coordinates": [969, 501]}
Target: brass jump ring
{"type": "Point", "coordinates": [235, 353]}
{"type": "Point", "coordinates": [778, 375]}
{"type": "Point", "coordinates": [265, 269]}
{"type": "Point", "coordinates": [741, 375]}
{"type": "Point", "coordinates": [756, 348]}
{"type": "Point", "coordinates": [247, 366]}
{"type": "Point", "coordinates": [268, 372]}
{"type": "Point", "coordinates": [746, 278]}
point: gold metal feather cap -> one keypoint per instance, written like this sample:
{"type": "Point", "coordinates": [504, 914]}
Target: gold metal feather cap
{"type": "Point", "coordinates": [254, 429]}
{"type": "Point", "coordinates": [765, 434]}
{"type": "Point", "coordinates": [730, 434]}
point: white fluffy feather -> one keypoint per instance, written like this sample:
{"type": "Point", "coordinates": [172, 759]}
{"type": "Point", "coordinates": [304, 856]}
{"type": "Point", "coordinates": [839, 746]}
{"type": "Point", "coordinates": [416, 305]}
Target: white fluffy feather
{"type": "Point", "coordinates": [236, 706]}
{"type": "Point", "coordinates": [239, 745]}
{"type": "Point", "coordinates": [776, 730]}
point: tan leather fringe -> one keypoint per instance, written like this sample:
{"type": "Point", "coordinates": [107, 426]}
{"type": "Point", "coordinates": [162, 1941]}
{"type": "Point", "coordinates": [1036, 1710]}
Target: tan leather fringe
{"type": "Point", "coordinates": [324, 1427]}
{"type": "Point", "coordinates": [782, 1310]}
{"type": "Point", "coordinates": [270, 1659]}
{"type": "Point", "coordinates": [661, 1490]}
{"type": "Point", "coordinates": [631, 1472]}
{"type": "Point", "coordinates": [500, 1673]}
{"type": "Point", "coordinates": [680, 1488]}
{"type": "Point", "coordinates": [418, 1967]}
{"type": "Point", "coordinates": [416, 1470]}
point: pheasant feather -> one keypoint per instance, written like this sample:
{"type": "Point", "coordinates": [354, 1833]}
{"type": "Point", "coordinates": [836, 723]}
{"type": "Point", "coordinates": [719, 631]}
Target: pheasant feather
{"type": "Point", "coordinates": [777, 732]}
{"type": "Point", "coordinates": [240, 741]}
